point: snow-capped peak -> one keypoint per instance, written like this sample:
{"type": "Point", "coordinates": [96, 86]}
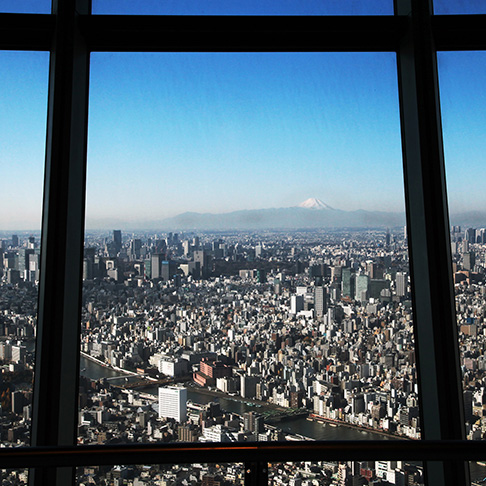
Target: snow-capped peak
{"type": "Point", "coordinates": [313, 203]}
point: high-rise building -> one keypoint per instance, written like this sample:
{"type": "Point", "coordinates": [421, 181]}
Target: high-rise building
{"type": "Point", "coordinates": [172, 403]}
{"type": "Point", "coordinates": [23, 262]}
{"type": "Point", "coordinates": [253, 422]}
{"type": "Point", "coordinates": [156, 265]}
{"type": "Point", "coordinates": [348, 282]}
{"type": "Point", "coordinates": [468, 261]}
{"type": "Point", "coordinates": [320, 301]}
{"type": "Point", "coordinates": [470, 235]}
{"type": "Point", "coordinates": [402, 284]}
{"type": "Point", "coordinates": [362, 287]}
{"type": "Point", "coordinates": [117, 240]}
{"type": "Point", "coordinates": [167, 269]}
{"type": "Point", "coordinates": [296, 303]}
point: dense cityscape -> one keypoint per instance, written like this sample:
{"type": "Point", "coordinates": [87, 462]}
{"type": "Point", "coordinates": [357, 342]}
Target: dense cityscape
{"type": "Point", "coordinates": [292, 327]}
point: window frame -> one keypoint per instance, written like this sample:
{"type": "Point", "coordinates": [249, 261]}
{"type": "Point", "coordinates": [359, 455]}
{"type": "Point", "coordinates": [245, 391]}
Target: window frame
{"type": "Point", "coordinates": [71, 33]}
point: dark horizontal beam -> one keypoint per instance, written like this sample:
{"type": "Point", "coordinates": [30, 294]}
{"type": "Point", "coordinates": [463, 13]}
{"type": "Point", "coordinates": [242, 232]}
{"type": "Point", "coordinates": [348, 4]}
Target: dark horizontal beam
{"type": "Point", "coordinates": [187, 453]}
{"type": "Point", "coordinates": [26, 32]}
{"type": "Point", "coordinates": [459, 32]}
{"type": "Point", "coordinates": [242, 33]}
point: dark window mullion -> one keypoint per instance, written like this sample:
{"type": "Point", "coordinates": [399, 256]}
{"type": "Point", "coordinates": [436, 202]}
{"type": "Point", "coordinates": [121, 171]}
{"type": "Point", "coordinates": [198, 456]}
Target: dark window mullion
{"type": "Point", "coordinates": [54, 418]}
{"type": "Point", "coordinates": [436, 344]}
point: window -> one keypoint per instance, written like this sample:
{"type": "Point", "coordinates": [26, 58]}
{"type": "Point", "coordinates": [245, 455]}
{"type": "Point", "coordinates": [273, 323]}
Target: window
{"type": "Point", "coordinates": [414, 40]}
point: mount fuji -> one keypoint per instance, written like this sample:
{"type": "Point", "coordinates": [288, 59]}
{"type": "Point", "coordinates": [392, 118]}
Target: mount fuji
{"type": "Point", "coordinates": [310, 214]}
{"type": "Point", "coordinates": [314, 203]}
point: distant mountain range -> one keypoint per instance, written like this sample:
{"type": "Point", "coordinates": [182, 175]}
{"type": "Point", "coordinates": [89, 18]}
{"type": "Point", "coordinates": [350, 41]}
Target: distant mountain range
{"type": "Point", "coordinates": [310, 214]}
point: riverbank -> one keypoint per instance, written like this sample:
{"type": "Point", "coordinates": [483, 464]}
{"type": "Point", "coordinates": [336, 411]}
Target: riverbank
{"type": "Point", "coordinates": [102, 363]}
{"type": "Point", "coordinates": [340, 423]}
{"type": "Point", "coordinates": [236, 398]}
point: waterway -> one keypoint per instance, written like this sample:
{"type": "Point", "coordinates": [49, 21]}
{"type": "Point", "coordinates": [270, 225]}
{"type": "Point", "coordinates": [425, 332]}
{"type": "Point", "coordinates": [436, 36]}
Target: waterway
{"type": "Point", "coordinates": [301, 426]}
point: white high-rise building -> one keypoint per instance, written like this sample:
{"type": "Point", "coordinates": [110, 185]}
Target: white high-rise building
{"type": "Point", "coordinates": [173, 403]}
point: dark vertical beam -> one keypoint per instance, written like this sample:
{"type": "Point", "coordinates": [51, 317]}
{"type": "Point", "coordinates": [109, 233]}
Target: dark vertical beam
{"type": "Point", "coordinates": [54, 419]}
{"type": "Point", "coordinates": [436, 344]}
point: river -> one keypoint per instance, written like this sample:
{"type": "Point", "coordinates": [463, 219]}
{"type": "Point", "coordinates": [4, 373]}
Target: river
{"type": "Point", "coordinates": [300, 426]}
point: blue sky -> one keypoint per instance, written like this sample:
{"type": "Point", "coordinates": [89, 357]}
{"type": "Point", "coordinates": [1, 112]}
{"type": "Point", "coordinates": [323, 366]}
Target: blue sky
{"type": "Point", "coordinates": [462, 78]}
{"type": "Point", "coordinates": [23, 108]}
{"type": "Point", "coordinates": [252, 7]}
{"type": "Point", "coordinates": [170, 133]}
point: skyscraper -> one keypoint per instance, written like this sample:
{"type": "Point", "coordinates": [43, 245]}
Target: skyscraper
{"type": "Point", "coordinates": [402, 284]}
{"type": "Point", "coordinates": [362, 287]}
{"type": "Point", "coordinates": [117, 240]}
{"type": "Point", "coordinates": [320, 306]}
{"type": "Point", "coordinates": [470, 235]}
{"type": "Point", "coordinates": [172, 403]}
{"type": "Point", "coordinates": [348, 281]}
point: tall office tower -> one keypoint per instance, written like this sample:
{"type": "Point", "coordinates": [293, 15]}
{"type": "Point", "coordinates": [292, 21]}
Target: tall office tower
{"type": "Point", "coordinates": [262, 275]}
{"type": "Point", "coordinates": [470, 235]}
{"type": "Point", "coordinates": [402, 284]}
{"type": "Point", "coordinates": [387, 238]}
{"type": "Point", "coordinates": [372, 270]}
{"type": "Point", "coordinates": [204, 259]}
{"type": "Point", "coordinates": [147, 268]}
{"type": "Point", "coordinates": [362, 285]}
{"type": "Point", "coordinates": [336, 274]}
{"type": "Point", "coordinates": [156, 266]}
{"type": "Point", "coordinates": [296, 303]}
{"type": "Point", "coordinates": [186, 248]}
{"type": "Point", "coordinates": [15, 241]}
{"type": "Point", "coordinates": [248, 386]}
{"type": "Point", "coordinates": [33, 272]}
{"type": "Point", "coordinates": [469, 261]}
{"type": "Point", "coordinates": [258, 250]}
{"type": "Point", "coordinates": [320, 301]}
{"type": "Point", "coordinates": [173, 403]}
{"type": "Point", "coordinates": [117, 240]}
{"type": "Point", "coordinates": [253, 422]}
{"type": "Point", "coordinates": [23, 261]}
{"type": "Point", "coordinates": [135, 249]}
{"type": "Point", "coordinates": [168, 269]}
{"type": "Point", "coordinates": [348, 282]}
{"type": "Point", "coordinates": [481, 237]}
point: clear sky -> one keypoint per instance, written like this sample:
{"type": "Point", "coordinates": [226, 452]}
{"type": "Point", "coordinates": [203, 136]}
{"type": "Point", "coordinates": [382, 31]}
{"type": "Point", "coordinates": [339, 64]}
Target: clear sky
{"type": "Point", "coordinates": [252, 7]}
{"type": "Point", "coordinates": [462, 77]}
{"type": "Point", "coordinates": [170, 133]}
{"type": "Point", "coordinates": [23, 108]}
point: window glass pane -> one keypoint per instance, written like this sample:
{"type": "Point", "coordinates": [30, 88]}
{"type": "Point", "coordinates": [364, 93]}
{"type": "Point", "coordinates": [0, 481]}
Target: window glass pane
{"type": "Point", "coordinates": [25, 6]}
{"type": "Point", "coordinates": [459, 7]}
{"type": "Point", "coordinates": [245, 246]}
{"type": "Point", "coordinates": [250, 7]}
{"type": "Point", "coordinates": [23, 105]}
{"type": "Point", "coordinates": [463, 105]}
